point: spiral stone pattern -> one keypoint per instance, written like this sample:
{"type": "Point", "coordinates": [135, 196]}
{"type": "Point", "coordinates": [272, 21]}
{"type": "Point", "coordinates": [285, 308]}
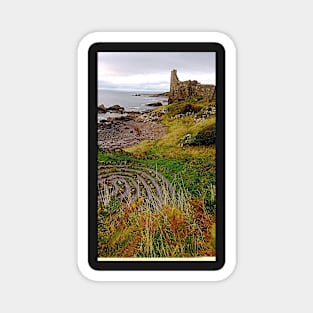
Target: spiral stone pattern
{"type": "Point", "coordinates": [130, 183]}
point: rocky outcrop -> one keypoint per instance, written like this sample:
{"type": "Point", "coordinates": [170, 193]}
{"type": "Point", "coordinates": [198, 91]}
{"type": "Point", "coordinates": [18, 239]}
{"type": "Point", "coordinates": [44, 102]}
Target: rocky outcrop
{"type": "Point", "coordinates": [180, 91]}
{"type": "Point", "coordinates": [150, 116]}
{"type": "Point", "coordinates": [101, 108]}
{"type": "Point", "coordinates": [154, 104]}
{"type": "Point", "coordinates": [112, 109]}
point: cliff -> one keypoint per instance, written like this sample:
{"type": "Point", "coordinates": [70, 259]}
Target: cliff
{"type": "Point", "coordinates": [182, 90]}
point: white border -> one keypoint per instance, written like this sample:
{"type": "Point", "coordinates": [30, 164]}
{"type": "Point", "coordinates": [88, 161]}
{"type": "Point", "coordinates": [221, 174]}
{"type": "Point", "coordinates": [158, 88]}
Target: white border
{"type": "Point", "coordinates": [230, 157]}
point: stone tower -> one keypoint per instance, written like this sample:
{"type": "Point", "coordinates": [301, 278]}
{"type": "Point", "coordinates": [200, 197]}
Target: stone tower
{"type": "Point", "coordinates": [174, 84]}
{"type": "Point", "coordinates": [174, 79]}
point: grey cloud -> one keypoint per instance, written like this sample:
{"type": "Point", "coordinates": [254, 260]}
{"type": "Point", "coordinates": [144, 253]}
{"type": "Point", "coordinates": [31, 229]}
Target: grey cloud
{"type": "Point", "coordinates": [194, 65]}
{"type": "Point", "coordinates": [159, 86]}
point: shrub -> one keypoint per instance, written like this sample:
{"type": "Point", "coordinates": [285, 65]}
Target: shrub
{"type": "Point", "coordinates": [205, 137]}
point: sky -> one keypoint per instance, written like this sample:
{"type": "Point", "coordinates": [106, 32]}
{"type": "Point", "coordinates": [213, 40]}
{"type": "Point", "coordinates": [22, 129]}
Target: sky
{"type": "Point", "coordinates": [151, 71]}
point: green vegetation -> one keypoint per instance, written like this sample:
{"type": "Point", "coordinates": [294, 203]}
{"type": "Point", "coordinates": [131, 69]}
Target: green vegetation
{"type": "Point", "coordinates": [194, 164]}
{"type": "Point", "coordinates": [185, 155]}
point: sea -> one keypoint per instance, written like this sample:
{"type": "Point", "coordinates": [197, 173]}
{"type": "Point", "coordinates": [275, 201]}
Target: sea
{"type": "Point", "coordinates": [129, 100]}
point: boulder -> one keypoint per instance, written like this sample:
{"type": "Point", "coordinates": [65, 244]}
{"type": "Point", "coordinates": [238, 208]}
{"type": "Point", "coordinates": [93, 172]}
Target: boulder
{"type": "Point", "coordinates": [101, 108]}
{"type": "Point", "coordinates": [115, 108]}
{"type": "Point", "coordinates": [154, 104]}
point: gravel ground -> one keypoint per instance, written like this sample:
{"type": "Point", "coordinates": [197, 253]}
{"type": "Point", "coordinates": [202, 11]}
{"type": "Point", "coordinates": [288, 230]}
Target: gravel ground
{"type": "Point", "coordinates": [117, 133]}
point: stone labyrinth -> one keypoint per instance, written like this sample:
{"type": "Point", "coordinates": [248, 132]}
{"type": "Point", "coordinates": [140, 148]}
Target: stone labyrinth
{"type": "Point", "coordinates": [130, 183]}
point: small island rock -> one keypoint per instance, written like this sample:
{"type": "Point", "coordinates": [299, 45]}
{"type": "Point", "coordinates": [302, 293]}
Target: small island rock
{"type": "Point", "coordinates": [154, 104]}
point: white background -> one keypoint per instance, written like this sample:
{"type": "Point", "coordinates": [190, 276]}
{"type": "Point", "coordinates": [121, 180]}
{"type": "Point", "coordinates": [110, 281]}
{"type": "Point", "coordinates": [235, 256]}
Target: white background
{"type": "Point", "coordinates": [38, 156]}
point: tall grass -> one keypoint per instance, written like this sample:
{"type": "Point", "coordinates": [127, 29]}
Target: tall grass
{"type": "Point", "coordinates": [180, 228]}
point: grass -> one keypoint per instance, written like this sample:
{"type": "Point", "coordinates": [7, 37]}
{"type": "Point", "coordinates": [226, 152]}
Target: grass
{"type": "Point", "coordinates": [196, 170]}
{"type": "Point", "coordinates": [181, 228]}
{"type": "Point", "coordinates": [184, 226]}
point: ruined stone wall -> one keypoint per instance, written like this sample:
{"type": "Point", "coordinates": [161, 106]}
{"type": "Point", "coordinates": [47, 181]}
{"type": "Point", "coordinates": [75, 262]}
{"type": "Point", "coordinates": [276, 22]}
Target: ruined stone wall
{"type": "Point", "coordinates": [182, 90]}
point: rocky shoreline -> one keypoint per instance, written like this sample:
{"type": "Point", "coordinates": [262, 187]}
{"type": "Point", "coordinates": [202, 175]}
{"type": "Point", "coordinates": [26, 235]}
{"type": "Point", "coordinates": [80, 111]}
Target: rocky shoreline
{"type": "Point", "coordinates": [125, 131]}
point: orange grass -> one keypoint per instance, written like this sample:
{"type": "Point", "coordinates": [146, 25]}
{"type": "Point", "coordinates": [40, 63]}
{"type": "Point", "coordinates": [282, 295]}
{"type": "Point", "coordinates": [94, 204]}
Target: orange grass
{"type": "Point", "coordinates": [139, 231]}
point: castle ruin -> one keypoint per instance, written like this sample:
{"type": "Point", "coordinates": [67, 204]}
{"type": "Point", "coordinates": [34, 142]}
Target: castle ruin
{"type": "Point", "coordinates": [182, 90]}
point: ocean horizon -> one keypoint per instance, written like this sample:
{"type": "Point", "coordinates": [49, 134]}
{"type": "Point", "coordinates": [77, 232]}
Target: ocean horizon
{"type": "Point", "coordinates": [128, 100]}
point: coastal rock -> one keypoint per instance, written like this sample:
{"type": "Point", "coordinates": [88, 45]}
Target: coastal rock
{"type": "Point", "coordinates": [112, 109]}
{"type": "Point", "coordinates": [154, 104]}
{"type": "Point", "coordinates": [119, 118]}
{"type": "Point", "coordinates": [150, 116]}
{"type": "Point", "coordinates": [115, 108]}
{"type": "Point", "coordinates": [101, 108]}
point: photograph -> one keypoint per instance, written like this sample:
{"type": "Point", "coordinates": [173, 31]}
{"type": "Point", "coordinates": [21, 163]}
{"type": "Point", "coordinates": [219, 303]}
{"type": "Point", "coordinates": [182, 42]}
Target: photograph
{"type": "Point", "coordinates": [156, 156]}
